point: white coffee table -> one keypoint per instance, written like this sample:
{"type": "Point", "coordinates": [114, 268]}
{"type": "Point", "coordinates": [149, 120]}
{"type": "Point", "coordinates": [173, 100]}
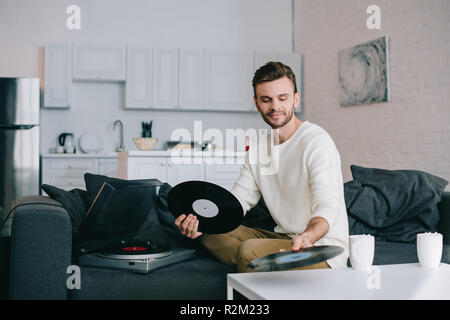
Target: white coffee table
{"type": "Point", "coordinates": [388, 282]}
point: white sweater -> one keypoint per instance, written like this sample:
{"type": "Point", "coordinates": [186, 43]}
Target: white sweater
{"type": "Point", "coordinates": [303, 181]}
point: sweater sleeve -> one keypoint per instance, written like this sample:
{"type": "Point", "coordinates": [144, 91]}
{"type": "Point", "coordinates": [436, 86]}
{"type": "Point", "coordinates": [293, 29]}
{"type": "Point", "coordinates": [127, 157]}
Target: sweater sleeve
{"type": "Point", "coordinates": [324, 167]}
{"type": "Point", "coordinates": [245, 188]}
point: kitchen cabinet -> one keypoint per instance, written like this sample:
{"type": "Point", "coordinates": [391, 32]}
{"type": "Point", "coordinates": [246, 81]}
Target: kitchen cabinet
{"type": "Point", "coordinates": [95, 62]}
{"type": "Point", "coordinates": [162, 78]}
{"type": "Point", "coordinates": [165, 80]}
{"type": "Point", "coordinates": [191, 91]}
{"type": "Point", "coordinates": [139, 81]}
{"type": "Point", "coordinates": [67, 171]}
{"type": "Point", "coordinates": [65, 182]}
{"type": "Point", "coordinates": [107, 167]}
{"type": "Point", "coordinates": [57, 75]}
{"type": "Point", "coordinates": [228, 80]}
{"type": "Point", "coordinates": [70, 166]}
{"type": "Point", "coordinates": [222, 171]}
{"type": "Point", "coordinates": [178, 172]}
{"type": "Point", "coordinates": [145, 168]}
{"type": "Point", "coordinates": [262, 57]}
{"type": "Point", "coordinates": [223, 174]}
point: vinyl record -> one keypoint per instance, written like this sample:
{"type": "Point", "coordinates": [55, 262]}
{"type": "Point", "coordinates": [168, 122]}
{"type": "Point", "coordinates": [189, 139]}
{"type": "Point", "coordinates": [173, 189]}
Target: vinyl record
{"type": "Point", "coordinates": [290, 259]}
{"type": "Point", "coordinates": [217, 209]}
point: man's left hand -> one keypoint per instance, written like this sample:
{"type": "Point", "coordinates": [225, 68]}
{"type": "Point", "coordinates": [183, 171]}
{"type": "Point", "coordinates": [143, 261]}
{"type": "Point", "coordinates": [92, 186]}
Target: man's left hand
{"type": "Point", "coordinates": [299, 242]}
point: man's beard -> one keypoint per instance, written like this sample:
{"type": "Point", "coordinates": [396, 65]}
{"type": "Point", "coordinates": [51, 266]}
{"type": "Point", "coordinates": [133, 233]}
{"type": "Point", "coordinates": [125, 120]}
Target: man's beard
{"type": "Point", "coordinates": [266, 118]}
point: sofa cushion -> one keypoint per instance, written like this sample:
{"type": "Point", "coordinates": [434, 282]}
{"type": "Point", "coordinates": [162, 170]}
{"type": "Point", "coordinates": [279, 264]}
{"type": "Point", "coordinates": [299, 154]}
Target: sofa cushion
{"type": "Point", "coordinates": [74, 201]}
{"type": "Point", "coordinates": [393, 205]}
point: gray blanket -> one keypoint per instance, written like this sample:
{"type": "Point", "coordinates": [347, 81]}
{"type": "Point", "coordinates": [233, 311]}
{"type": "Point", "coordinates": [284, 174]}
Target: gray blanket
{"type": "Point", "coordinates": [392, 205]}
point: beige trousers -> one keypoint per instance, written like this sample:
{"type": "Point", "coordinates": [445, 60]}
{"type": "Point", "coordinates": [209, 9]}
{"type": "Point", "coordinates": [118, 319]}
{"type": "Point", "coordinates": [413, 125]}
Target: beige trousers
{"type": "Point", "coordinates": [242, 245]}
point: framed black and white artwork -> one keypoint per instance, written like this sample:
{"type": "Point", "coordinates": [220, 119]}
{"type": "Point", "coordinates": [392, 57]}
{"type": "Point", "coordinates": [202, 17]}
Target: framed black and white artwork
{"type": "Point", "coordinates": [364, 73]}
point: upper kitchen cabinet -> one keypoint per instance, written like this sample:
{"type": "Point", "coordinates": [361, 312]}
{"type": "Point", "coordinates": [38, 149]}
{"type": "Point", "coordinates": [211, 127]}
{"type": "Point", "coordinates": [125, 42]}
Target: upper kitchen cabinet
{"type": "Point", "coordinates": [139, 82]}
{"type": "Point", "coordinates": [228, 80]}
{"type": "Point", "coordinates": [165, 78]}
{"type": "Point", "coordinates": [57, 75]}
{"type": "Point", "coordinates": [93, 62]}
{"type": "Point", "coordinates": [293, 60]}
{"type": "Point", "coordinates": [261, 58]}
{"type": "Point", "coordinates": [191, 91]}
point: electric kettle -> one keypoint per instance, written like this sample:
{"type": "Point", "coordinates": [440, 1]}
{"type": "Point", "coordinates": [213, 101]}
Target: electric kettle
{"type": "Point", "coordinates": [66, 140]}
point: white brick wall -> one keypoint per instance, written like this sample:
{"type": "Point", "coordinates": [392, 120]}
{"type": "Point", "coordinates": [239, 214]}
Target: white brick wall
{"type": "Point", "coordinates": [413, 130]}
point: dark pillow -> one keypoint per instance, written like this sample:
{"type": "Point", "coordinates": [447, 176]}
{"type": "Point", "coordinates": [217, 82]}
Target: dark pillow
{"type": "Point", "coordinates": [393, 205]}
{"type": "Point", "coordinates": [74, 201]}
{"type": "Point", "coordinates": [402, 193]}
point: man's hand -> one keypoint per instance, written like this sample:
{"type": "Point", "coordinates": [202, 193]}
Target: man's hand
{"type": "Point", "coordinates": [299, 242]}
{"type": "Point", "coordinates": [315, 230]}
{"type": "Point", "coordinates": [188, 226]}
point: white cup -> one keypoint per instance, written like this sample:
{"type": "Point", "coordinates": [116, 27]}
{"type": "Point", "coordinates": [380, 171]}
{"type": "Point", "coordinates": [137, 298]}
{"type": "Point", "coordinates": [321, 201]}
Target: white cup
{"type": "Point", "coordinates": [429, 249]}
{"type": "Point", "coordinates": [59, 149]}
{"type": "Point", "coordinates": [362, 250]}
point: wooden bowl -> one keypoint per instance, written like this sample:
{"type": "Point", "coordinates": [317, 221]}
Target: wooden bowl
{"type": "Point", "coordinates": [145, 143]}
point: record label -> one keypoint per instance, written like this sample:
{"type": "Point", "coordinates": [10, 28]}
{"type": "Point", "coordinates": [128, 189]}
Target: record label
{"type": "Point", "coordinates": [134, 248]}
{"type": "Point", "coordinates": [205, 208]}
{"type": "Point", "coordinates": [134, 252]}
{"type": "Point", "coordinates": [217, 209]}
{"type": "Point", "coordinates": [295, 257]}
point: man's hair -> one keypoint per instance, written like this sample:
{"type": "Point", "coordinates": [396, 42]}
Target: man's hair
{"type": "Point", "coordinates": [273, 71]}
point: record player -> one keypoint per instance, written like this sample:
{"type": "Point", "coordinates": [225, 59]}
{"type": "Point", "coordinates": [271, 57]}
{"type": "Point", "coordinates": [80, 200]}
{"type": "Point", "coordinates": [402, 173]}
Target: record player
{"type": "Point", "coordinates": [140, 257]}
{"type": "Point", "coordinates": [114, 217]}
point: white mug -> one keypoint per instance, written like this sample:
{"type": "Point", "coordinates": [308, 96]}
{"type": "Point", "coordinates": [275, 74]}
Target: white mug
{"type": "Point", "coordinates": [429, 249]}
{"type": "Point", "coordinates": [59, 149]}
{"type": "Point", "coordinates": [362, 250]}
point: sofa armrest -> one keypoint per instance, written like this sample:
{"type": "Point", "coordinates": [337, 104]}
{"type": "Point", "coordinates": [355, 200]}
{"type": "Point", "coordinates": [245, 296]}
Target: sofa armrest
{"type": "Point", "coordinates": [41, 249]}
{"type": "Point", "coordinates": [444, 217]}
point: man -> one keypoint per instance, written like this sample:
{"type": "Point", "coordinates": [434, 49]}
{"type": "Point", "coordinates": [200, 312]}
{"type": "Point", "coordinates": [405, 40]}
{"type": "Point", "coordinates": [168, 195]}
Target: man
{"type": "Point", "coordinates": [304, 193]}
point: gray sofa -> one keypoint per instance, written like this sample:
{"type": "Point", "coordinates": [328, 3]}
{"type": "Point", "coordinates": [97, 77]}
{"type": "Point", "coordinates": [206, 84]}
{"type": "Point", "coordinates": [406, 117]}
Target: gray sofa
{"type": "Point", "coordinates": [39, 252]}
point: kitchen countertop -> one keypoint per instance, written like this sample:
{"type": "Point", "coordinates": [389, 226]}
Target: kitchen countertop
{"type": "Point", "coordinates": [181, 153]}
{"type": "Point", "coordinates": [79, 155]}
{"type": "Point", "coordinates": [150, 153]}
